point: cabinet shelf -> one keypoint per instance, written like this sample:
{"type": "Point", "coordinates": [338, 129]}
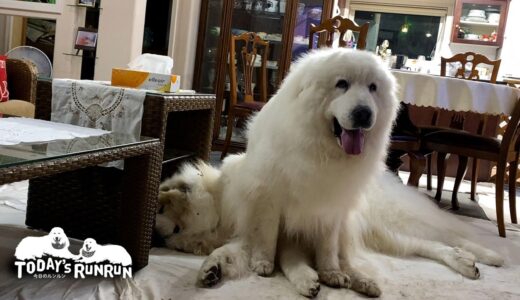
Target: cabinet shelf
{"type": "Point", "coordinates": [478, 24]}
{"type": "Point", "coordinates": [465, 21]}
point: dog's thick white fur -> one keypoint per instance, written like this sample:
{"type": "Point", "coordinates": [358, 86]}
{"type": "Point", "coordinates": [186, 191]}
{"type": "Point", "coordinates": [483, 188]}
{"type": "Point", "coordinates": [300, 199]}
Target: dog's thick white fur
{"type": "Point", "coordinates": [311, 152]}
{"type": "Point", "coordinates": [92, 252]}
{"type": "Point", "coordinates": [314, 152]}
{"type": "Point", "coordinates": [56, 244]}
{"type": "Point", "coordinates": [393, 219]}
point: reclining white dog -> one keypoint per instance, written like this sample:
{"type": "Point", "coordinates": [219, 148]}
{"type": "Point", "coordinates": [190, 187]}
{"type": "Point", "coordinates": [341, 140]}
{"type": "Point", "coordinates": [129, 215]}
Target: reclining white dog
{"type": "Point", "coordinates": [92, 252]}
{"type": "Point", "coordinates": [56, 244]}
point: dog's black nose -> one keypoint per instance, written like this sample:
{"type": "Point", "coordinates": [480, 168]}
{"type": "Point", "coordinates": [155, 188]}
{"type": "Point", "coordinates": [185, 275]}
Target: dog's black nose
{"type": "Point", "coordinates": [361, 116]}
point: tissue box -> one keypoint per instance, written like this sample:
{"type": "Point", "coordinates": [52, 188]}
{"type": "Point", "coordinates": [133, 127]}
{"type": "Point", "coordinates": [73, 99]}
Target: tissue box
{"type": "Point", "coordinates": [175, 83]}
{"type": "Point", "coordinates": [145, 80]}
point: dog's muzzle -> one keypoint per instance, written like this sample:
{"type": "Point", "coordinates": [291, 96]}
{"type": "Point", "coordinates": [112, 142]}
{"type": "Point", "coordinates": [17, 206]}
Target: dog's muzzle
{"type": "Point", "coordinates": [85, 253]}
{"type": "Point", "coordinates": [57, 245]}
{"type": "Point", "coordinates": [350, 140]}
{"type": "Point", "coordinates": [361, 117]}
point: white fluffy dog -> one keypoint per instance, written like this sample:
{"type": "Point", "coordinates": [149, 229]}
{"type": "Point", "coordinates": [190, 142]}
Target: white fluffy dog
{"type": "Point", "coordinates": [311, 152]}
{"type": "Point", "coordinates": [92, 252]}
{"type": "Point", "coordinates": [314, 153]}
{"type": "Point", "coordinates": [56, 244]}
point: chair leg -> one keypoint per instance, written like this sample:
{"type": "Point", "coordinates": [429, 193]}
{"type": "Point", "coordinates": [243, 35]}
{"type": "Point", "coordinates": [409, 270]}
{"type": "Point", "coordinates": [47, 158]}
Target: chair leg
{"type": "Point", "coordinates": [499, 194]}
{"type": "Point", "coordinates": [429, 172]}
{"type": "Point", "coordinates": [513, 167]}
{"type": "Point", "coordinates": [417, 164]}
{"type": "Point", "coordinates": [441, 172]}
{"type": "Point", "coordinates": [474, 177]}
{"type": "Point", "coordinates": [461, 171]}
{"type": "Point", "coordinates": [229, 133]}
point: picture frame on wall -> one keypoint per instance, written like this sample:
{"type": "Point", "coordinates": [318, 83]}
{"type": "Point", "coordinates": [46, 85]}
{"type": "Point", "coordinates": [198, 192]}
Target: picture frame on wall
{"type": "Point", "coordinates": [89, 3]}
{"type": "Point", "coordinates": [86, 39]}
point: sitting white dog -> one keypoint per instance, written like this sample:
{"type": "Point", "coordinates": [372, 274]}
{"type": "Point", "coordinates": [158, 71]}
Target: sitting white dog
{"type": "Point", "coordinates": [56, 244]}
{"type": "Point", "coordinates": [92, 252]}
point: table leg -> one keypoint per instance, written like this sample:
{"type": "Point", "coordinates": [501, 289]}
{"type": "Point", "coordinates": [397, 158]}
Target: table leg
{"type": "Point", "coordinates": [138, 207]}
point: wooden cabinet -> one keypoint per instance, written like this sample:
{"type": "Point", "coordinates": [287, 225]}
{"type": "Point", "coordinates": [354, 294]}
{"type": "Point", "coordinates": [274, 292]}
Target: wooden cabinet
{"type": "Point", "coordinates": [480, 22]}
{"type": "Point", "coordinates": [284, 23]}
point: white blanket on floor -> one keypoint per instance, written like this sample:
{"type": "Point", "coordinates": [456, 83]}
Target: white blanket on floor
{"type": "Point", "coordinates": [171, 275]}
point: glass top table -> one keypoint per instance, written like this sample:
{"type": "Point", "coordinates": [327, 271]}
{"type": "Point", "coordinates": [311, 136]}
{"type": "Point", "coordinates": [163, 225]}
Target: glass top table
{"type": "Point", "coordinates": [40, 161]}
{"type": "Point", "coordinates": [24, 153]}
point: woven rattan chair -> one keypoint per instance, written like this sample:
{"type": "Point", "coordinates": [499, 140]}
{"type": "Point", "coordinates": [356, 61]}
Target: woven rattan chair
{"type": "Point", "coordinates": [327, 30]}
{"type": "Point", "coordinates": [244, 51]}
{"type": "Point", "coordinates": [21, 82]}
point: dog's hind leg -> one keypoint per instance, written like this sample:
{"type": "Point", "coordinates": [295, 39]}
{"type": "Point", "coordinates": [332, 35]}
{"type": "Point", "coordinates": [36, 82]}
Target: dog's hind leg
{"type": "Point", "coordinates": [484, 255]}
{"type": "Point", "coordinates": [296, 266]}
{"type": "Point", "coordinates": [395, 243]}
{"type": "Point", "coordinates": [228, 261]}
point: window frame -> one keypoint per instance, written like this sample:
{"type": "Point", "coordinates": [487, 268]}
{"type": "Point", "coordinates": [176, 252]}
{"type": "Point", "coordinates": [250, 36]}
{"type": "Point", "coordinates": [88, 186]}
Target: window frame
{"type": "Point", "coordinates": [395, 8]}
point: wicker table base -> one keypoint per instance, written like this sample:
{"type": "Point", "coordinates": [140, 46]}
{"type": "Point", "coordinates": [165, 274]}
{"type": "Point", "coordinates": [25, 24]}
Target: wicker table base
{"type": "Point", "coordinates": [130, 226]}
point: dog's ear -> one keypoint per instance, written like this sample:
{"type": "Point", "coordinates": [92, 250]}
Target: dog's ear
{"type": "Point", "coordinates": [171, 196]}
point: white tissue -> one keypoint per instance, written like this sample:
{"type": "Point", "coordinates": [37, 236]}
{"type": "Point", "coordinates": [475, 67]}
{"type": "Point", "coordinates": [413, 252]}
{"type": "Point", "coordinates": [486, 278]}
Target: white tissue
{"type": "Point", "coordinates": [152, 63]}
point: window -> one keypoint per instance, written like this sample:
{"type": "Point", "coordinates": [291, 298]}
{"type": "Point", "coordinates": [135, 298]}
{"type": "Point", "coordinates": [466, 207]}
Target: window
{"type": "Point", "coordinates": [410, 35]}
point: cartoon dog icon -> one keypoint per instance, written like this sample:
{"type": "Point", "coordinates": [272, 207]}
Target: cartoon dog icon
{"type": "Point", "coordinates": [93, 252]}
{"type": "Point", "coordinates": [56, 244]}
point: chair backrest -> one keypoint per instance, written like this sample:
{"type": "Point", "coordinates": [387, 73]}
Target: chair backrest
{"type": "Point", "coordinates": [510, 139]}
{"type": "Point", "coordinates": [341, 25]}
{"type": "Point", "coordinates": [21, 79]}
{"type": "Point", "coordinates": [474, 59]}
{"type": "Point", "coordinates": [244, 52]}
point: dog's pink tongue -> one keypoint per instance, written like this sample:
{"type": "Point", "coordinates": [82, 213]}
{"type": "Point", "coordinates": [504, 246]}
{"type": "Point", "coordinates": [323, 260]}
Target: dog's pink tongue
{"type": "Point", "coordinates": [352, 141]}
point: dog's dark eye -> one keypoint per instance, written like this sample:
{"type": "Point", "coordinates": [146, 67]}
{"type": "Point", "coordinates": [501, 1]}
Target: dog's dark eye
{"type": "Point", "coordinates": [161, 209]}
{"type": "Point", "coordinates": [184, 188]}
{"type": "Point", "coordinates": [177, 229]}
{"type": "Point", "coordinates": [372, 87]}
{"type": "Point", "coordinates": [342, 84]}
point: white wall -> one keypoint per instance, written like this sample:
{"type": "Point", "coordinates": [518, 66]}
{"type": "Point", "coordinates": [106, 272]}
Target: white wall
{"type": "Point", "coordinates": [183, 39]}
{"type": "Point", "coordinates": [121, 30]}
{"type": "Point", "coordinates": [511, 47]}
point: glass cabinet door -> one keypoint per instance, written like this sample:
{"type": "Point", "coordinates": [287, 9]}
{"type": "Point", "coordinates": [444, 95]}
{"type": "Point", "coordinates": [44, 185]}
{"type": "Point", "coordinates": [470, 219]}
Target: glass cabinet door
{"type": "Point", "coordinates": [480, 22]}
{"type": "Point", "coordinates": [266, 18]}
{"type": "Point", "coordinates": [308, 12]}
{"type": "Point", "coordinates": [209, 61]}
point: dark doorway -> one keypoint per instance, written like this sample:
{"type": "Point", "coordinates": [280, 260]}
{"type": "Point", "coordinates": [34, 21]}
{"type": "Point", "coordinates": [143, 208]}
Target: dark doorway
{"type": "Point", "coordinates": [157, 27]}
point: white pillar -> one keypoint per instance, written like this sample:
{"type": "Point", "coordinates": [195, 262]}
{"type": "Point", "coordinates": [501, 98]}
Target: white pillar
{"type": "Point", "coordinates": [183, 38]}
{"type": "Point", "coordinates": [121, 30]}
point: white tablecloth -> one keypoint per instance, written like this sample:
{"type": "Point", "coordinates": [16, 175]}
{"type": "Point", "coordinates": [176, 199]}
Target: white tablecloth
{"type": "Point", "coordinates": [455, 94]}
{"type": "Point", "coordinates": [90, 104]}
{"type": "Point", "coordinates": [22, 130]}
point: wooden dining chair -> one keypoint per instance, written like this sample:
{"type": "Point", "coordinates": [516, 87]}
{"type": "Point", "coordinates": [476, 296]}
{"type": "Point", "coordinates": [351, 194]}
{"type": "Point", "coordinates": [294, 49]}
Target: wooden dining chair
{"type": "Point", "coordinates": [244, 52]}
{"type": "Point", "coordinates": [467, 70]}
{"type": "Point", "coordinates": [327, 30]}
{"type": "Point", "coordinates": [477, 146]}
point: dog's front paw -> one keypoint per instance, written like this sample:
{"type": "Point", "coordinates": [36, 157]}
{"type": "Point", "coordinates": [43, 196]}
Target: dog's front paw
{"type": "Point", "coordinates": [366, 287]}
{"type": "Point", "coordinates": [210, 273]}
{"type": "Point", "coordinates": [262, 267]}
{"type": "Point", "coordinates": [463, 262]}
{"type": "Point", "coordinates": [335, 278]}
{"type": "Point", "coordinates": [307, 283]}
